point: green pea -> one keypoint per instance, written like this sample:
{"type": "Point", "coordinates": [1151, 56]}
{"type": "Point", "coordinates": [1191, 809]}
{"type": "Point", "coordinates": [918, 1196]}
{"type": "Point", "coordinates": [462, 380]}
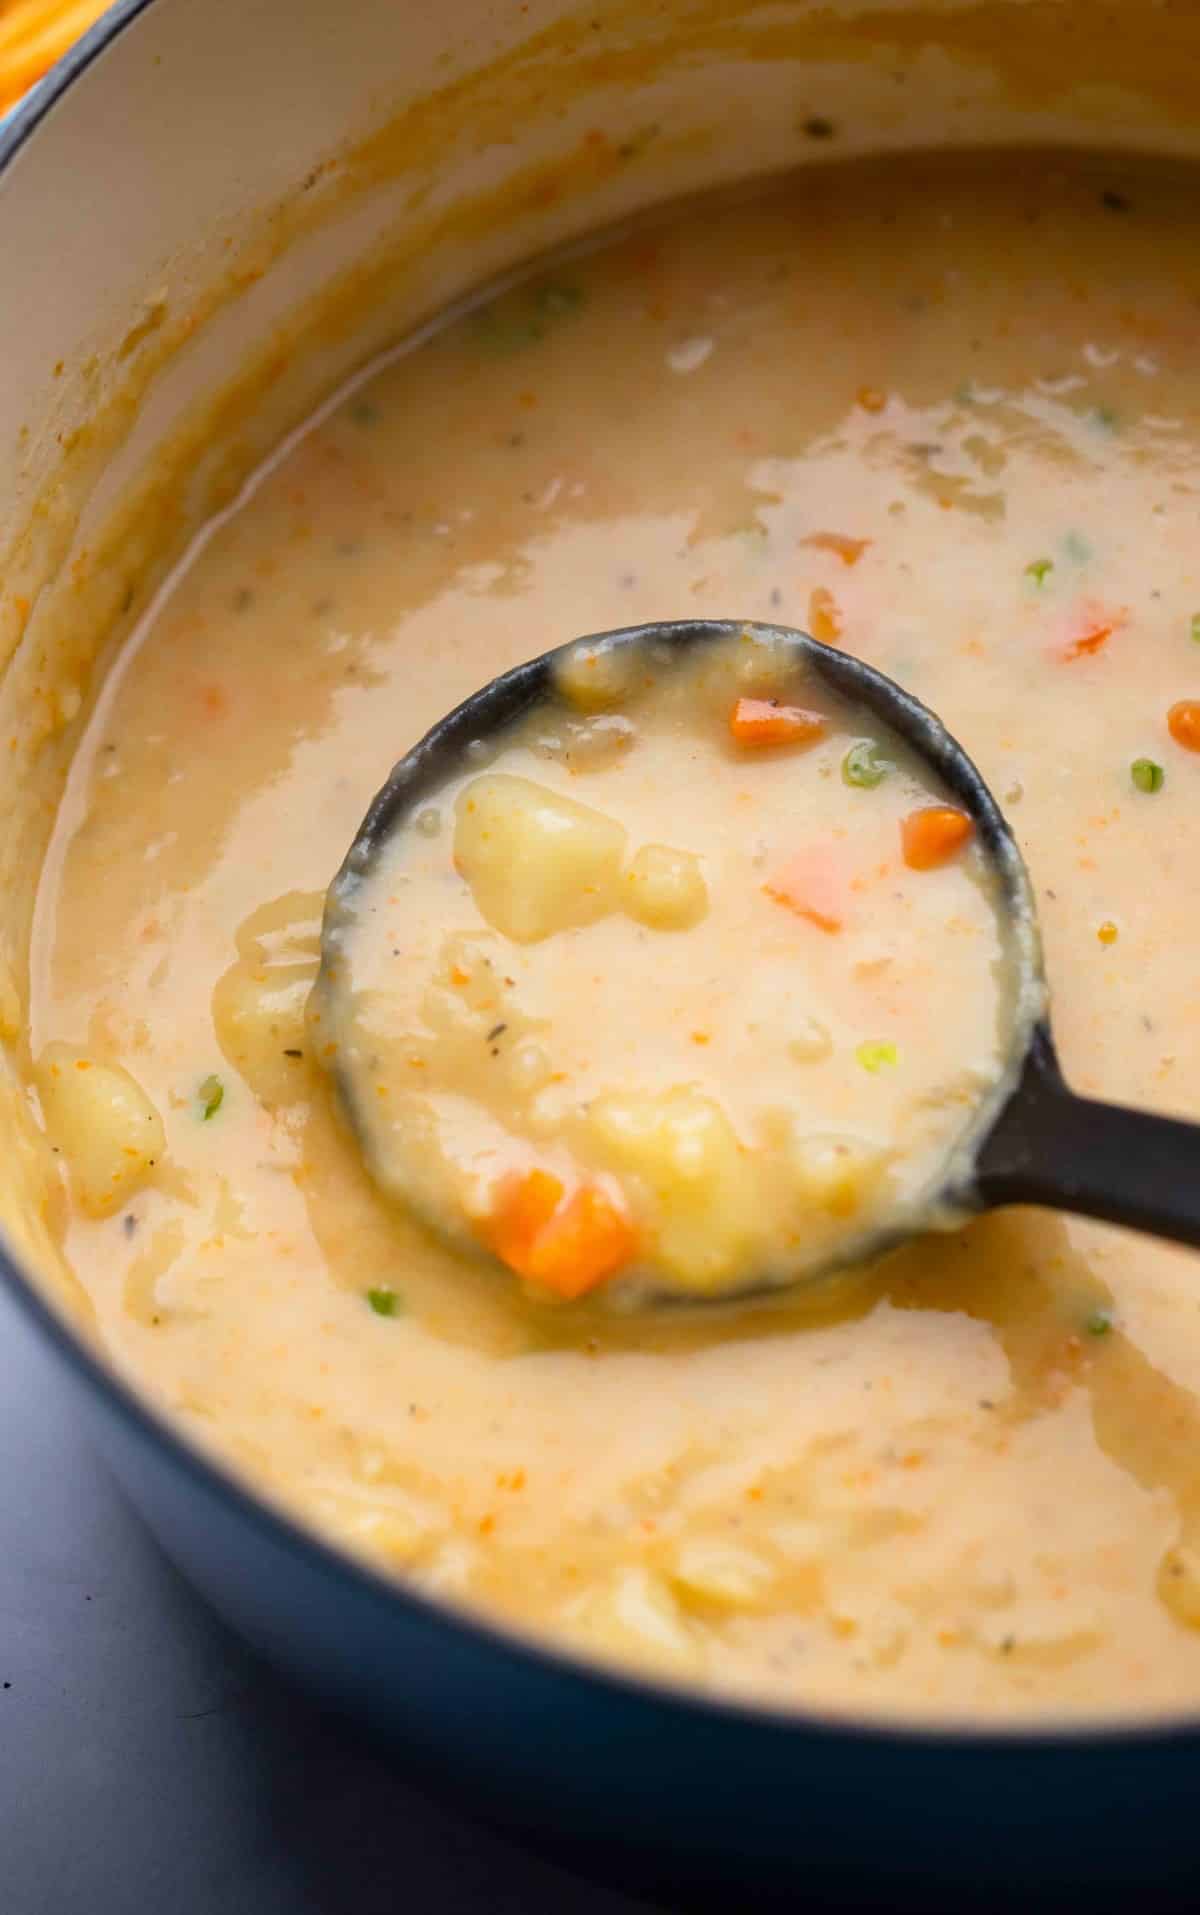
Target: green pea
{"type": "Point", "coordinates": [862, 765]}
{"type": "Point", "coordinates": [1146, 775]}
{"type": "Point", "coordinates": [385, 1302]}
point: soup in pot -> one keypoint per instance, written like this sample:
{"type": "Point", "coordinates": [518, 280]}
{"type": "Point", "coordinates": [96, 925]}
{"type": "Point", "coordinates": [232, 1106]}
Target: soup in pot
{"type": "Point", "coordinates": [941, 413]}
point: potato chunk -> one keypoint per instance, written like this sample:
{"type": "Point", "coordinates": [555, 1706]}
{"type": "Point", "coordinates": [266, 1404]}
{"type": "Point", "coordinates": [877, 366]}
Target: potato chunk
{"type": "Point", "coordinates": [595, 677]}
{"type": "Point", "coordinates": [692, 1176]}
{"type": "Point", "coordinates": [713, 1573]}
{"type": "Point", "coordinates": [259, 1003]}
{"type": "Point", "coordinates": [838, 1174]}
{"type": "Point", "coordinates": [634, 1618]}
{"type": "Point", "coordinates": [665, 889]}
{"type": "Point", "coordinates": [536, 863]}
{"type": "Point", "coordinates": [258, 1015]}
{"type": "Point", "coordinates": [104, 1124]}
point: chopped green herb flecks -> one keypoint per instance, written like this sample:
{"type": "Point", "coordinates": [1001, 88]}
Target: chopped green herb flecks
{"type": "Point", "coordinates": [521, 318]}
{"type": "Point", "coordinates": [211, 1095]}
{"type": "Point", "coordinates": [1077, 548]}
{"type": "Point", "coordinates": [1195, 628]}
{"type": "Point", "coordinates": [1038, 571]}
{"type": "Point", "coordinates": [1103, 418]}
{"type": "Point", "coordinates": [502, 334]}
{"type": "Point", "coordinates": [1099, 1323]}
{"type": "Point", "coordinates": [877, 1055]}
{"type": "Point", "coordinates": [1146, 775]}
{"type": "Point", "coordinates": [385, 1302]}
{"type": "Point", "coordinates": [863, 767]}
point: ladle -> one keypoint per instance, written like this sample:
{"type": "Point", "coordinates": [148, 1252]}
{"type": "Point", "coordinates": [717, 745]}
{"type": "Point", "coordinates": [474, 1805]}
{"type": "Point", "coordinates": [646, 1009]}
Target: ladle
{"type": "Point", "coordinates": [1031, 1139]}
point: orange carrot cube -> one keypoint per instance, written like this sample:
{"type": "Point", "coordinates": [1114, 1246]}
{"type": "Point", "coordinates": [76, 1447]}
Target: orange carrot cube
{"type": "Point", "coordinates": [813, 886]}
{"type": "Point", "coordinates": [761, 721]}
{"type": "Point", "coordinates": [933, 835]}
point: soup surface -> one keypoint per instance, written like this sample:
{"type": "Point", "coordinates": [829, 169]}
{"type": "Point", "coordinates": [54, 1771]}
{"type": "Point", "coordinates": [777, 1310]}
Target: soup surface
{"type": "Point", "coordinates": [633, 1068]}
{"type": "Point", "coordinates": [944, 414]}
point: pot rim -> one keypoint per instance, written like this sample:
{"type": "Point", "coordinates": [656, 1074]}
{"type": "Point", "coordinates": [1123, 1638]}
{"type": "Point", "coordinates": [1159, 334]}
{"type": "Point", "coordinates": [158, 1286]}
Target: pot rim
{"type": "Point", "coordinates": [141, 1420]}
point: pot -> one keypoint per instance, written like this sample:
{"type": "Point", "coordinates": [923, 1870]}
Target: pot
{"type": "Point", "coordinates": [213, 213]}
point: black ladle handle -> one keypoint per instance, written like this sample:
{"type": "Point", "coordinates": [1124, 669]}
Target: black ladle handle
{"type": "Point", "coordinates": [1050, 1146]}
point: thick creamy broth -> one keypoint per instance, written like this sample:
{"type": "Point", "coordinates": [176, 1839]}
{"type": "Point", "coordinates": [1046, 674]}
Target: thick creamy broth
{"type": "Point", "coordinates": [945, 415]}
{"type": "Point", "coordinates": [700, 993]}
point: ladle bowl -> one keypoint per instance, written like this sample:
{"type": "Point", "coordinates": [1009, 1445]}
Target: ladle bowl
{"type": "Point", "coordinates": [1029, 1138]}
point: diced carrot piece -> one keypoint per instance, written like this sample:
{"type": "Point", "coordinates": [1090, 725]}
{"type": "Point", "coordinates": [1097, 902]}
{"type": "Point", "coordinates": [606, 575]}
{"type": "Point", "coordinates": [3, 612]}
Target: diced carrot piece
{"type": "Point", "coordinates": [871, 399]}
{"type": "Point", "coordinates": [583, 1243]}
{"type": "Point", "coordinates": [567, 1248]}
{"type": "Point", "coordinates": [1089, 639]}
{"type": "Point", "coordinates": [1183, 723]}
{"type": "Point", "coordinates": [825, 620]}
{"type": "Point", "coordinates": [761, 721]}
{"type": "Point", "coordinates": [848, 550]}
{"type": "Point", "coordinates": [1093, 628]}
{"type": "Point", "coordinates": [812, 886]}
{"type": "Point", "coordinates": [525, 1203]}
{"type": "Point", "coordinates": [933, 836]}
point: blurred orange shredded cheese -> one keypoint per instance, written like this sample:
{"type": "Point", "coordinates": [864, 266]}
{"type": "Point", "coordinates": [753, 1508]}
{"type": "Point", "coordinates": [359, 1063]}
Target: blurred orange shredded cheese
{"type": "Point", "coordinates": [33, 35]}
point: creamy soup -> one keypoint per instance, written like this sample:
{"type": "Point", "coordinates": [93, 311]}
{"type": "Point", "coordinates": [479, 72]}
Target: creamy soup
{"type": "Point", "coordinates": [942, 414]}
{"type": "Point", "coordinates": [699, 992]}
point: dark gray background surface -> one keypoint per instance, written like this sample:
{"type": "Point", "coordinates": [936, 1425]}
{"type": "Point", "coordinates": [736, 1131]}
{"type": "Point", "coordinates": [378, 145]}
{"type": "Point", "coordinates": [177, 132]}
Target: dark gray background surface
{"type": "Point", "coordinates": [149, 1765]}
